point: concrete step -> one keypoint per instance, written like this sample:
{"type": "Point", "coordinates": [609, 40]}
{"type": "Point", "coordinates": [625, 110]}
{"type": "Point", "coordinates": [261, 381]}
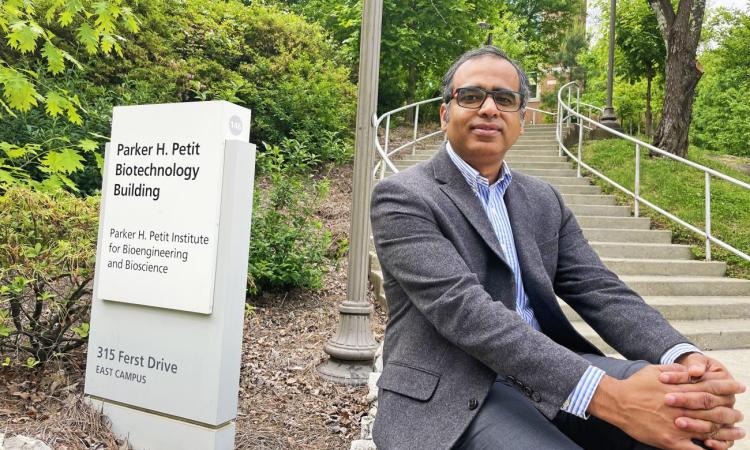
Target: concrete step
{"type": "Point", "coordinates": [524, 165]}
{"type": "Point", "coordinates": [666, 267]}
{"type": "Point", "coordinates": [583, 199]}
{"type": "Point", "coordinates": [548, 172]}
{"type": "Point", "coordinates": [532, 153]}
{"type": "Point", "coordinates": [641, 251]}
{"type": "Point", "coordinates": [600, 210]}
{"type": "Point", "coordinates": [584, 189]}
{"type": "Point", "coordinates": [624, 235]}
{"type": "Point", "coordinates": [687, 285]}
{"type": "Point", "coordinates": [513, 158]}
{"type": "Point", "coordinates": [566, 181]}
{"type": "Point", "coordinates": [688, 307]}
{"type": "Point", "coordinates": [522, 147]}
{"type": "Point", "coordinates": [706, 334]}
{"type": "Point", "coordinates": [635, 223]}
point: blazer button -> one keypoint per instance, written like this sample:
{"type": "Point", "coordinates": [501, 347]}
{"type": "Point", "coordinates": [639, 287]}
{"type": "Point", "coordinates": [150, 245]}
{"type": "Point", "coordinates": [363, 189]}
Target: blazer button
{"type": "Point", "coordinates": [536, 397]}
{"type": "Point", "coordinates": [473, 403]}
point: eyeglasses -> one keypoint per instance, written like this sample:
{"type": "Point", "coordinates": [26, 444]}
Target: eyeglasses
{"type": "Point", "coordinates": [474, 97]}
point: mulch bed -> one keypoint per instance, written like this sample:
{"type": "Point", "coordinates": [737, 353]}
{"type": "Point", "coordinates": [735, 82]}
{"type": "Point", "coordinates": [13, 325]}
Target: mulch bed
{"type": "Point", "coordinates": [283, 403]}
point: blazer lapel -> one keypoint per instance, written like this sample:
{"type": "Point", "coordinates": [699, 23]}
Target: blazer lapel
{"type": "Point", "coordinates": [457, 189]}
{"type": "Point", "coordinates": [536, 282]}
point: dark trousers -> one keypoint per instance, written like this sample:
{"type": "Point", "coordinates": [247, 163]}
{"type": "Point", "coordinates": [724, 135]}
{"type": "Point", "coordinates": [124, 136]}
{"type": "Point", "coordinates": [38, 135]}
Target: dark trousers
{"type": "Point", "coordinates": [508, 420]}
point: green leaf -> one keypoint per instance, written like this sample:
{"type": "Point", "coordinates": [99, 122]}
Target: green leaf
{"type": "Point", "coordinates": [88, 37]}
{"type": "Point", "coordinates": [88, 145]}
{"type": "Point", "coordinates": [99, 161]}
{"type": "Point", "coordinates": [32, 362]}
{"type": "Point", "coordinates": [55, 59]}
{"type": "Point", "coordinates": [82, 331]}
{"type": "Point", "coordinates": [73, 116]}
{"type": "Point", "coordinates": [108, 43]}
{"type": "Point", "coordinates": [18, 90]}
{"type": "Point", "coordinates": [23, 36]}
{"type": "Point", "coordinates": [6, 361]}
{"type": "Point", "coordinates": [56, 104]}
{"type": "Point", "coordinates": [13, 151]}
{"type": "Point", "coordinates": [64, 161]}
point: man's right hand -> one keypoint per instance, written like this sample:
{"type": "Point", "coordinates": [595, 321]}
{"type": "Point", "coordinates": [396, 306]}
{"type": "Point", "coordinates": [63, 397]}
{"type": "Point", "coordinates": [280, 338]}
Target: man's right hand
{"type": "Point", "coordinates": [637, 406]}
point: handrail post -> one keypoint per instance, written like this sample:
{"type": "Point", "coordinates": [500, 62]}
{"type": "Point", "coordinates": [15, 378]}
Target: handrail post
{"type": "Point", "coordinates": [559, 129]}
{"type": "Point", "coordinates": [580, 146]}
{"type": "Point", "coordinates": [387, 133]}
{"type": "Point", "coordinates": [416, 123]}
{"type": "Point", "coordinates": [637, 179]}
{"type": "Point", "coordinates": [708, 216]}
{"type": "Point", "coordinates": [578, 101]}
{"type": "Point", "coordinates": [569, 95]}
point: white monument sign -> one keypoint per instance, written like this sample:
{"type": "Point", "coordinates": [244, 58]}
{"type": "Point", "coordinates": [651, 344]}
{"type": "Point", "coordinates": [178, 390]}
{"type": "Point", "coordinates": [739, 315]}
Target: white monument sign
{"type": "Point", "coordinates": [167, 311]}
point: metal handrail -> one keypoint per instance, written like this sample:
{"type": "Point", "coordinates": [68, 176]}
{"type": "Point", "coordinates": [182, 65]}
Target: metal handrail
{"type": "Point", "coordinates": [380, 166]}
{"type": "Point", "coordinates": [383, 151]}
{"type": "Point", "coordinates": [564, 108]}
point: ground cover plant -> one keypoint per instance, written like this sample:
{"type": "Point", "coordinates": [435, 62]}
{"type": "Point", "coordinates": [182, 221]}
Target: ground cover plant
{"type": "Point", "coordinates": [679, 189]}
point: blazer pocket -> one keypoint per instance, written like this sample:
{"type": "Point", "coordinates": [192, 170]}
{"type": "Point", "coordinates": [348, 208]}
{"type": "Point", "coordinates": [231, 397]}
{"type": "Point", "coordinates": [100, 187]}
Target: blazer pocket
{"type": "Point", "coordinates": [409, 381]}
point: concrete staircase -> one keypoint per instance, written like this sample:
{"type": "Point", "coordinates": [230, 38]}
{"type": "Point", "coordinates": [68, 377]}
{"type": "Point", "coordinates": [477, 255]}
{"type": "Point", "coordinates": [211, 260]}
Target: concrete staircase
{"type": "Point", "coordinates": [695, 296]}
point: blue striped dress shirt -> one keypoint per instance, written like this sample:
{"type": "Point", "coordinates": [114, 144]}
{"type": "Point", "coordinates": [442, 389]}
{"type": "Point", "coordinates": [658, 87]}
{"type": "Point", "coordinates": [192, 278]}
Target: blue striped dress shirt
{"type": "Point", "coordinates": [491, 198]}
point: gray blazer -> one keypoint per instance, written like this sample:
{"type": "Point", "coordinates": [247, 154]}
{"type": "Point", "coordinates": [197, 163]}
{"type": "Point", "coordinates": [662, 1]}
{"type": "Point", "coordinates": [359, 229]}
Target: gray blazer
{"type": "Point", "coordinates": [452, 323]}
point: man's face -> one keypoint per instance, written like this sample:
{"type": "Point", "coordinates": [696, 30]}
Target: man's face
{"type": "Point", "coordinates": [482, 136]}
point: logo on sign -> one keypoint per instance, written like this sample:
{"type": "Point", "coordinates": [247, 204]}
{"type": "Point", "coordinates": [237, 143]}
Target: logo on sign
{"type": "Point", "coordinates": [235, 125]}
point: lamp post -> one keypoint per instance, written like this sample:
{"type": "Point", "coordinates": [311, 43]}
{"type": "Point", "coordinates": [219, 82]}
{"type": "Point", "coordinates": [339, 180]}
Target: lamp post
{"type": "Point", "coordinates": [609, 118]}
{"type": "Point", "coordinates": [352, 349]}
{"type": "Point", "coordinates": [486, 26]}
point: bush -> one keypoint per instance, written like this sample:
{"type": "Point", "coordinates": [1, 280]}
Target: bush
{"type": "Point", "coordinates": [288, 246]}
{"type": "Point", "coordinates": [271, 61]}
{"type": "Point", "coordinates": [47, 252]}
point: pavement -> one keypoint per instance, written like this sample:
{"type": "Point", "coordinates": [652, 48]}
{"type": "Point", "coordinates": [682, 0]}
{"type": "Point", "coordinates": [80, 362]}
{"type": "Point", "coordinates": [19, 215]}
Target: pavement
{"type": "Point", "coordinates": [738, 363]}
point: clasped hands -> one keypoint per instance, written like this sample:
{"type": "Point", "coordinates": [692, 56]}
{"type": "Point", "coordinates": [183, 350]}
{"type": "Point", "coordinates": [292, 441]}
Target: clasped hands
{"type": "Point", "coordinates": [674, 406]}
{"type": "Point", "coordinates": [704, 396]}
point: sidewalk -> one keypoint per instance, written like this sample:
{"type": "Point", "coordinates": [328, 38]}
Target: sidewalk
{"type": "Point", "coordinates": [738, 363]}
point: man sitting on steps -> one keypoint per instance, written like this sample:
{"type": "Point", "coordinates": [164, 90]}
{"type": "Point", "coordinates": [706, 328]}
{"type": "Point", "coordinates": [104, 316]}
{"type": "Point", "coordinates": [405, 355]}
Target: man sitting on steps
{"type": "Point", "coordinates": [477, 352]}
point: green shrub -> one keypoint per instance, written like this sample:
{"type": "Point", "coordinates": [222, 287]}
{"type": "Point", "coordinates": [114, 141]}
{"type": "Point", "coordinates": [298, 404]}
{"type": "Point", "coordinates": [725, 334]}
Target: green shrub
{"type": "Point", "coordinates": [271, 61]}
{"type": "Point", "coordinates": [47, 252]}
{"type": "Point", "coordinates": [288, 246]}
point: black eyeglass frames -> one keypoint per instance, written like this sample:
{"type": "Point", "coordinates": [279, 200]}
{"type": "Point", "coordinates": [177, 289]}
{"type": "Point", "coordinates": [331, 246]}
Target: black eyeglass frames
{"type": "Point", "coordinates": [473, 98]}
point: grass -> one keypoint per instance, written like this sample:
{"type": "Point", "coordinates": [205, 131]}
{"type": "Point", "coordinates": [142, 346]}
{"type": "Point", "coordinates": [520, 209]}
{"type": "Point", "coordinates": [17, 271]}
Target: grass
{"type": "Point", "coordinates": [679, 189]}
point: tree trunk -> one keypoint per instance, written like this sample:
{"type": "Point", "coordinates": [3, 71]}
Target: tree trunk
{"type": "Point", "coordinates": [649, 115]}
{"type": "Point", "coordinates": [681, 32]}
{"type": "Point", "coordinates": [411, 90]}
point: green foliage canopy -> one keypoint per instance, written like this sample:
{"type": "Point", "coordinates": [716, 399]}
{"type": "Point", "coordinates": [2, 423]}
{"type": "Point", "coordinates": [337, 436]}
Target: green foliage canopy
{"type": "Point", "coordinates": [720, 113]}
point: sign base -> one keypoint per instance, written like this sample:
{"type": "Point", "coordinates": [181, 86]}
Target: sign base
{"type": "Point", "coordinates": [149, 431]}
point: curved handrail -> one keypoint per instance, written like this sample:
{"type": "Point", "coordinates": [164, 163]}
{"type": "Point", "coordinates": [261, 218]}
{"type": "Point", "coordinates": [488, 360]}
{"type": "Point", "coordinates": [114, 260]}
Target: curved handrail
{"type": "Point", "coordinates": [385, 161]}
{"type": "Point", "coordinates": [706, 232]}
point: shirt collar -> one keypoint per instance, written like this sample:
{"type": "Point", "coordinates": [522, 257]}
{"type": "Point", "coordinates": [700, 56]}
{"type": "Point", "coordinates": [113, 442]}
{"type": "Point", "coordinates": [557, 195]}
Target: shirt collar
{"type": "Point", "coordinates": [474, 178]}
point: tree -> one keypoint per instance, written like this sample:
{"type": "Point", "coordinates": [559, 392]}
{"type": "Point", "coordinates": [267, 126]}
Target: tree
{"type": "Point", "coordinates": [640, 42]}
{"type": "Point", "coordinates": [720, 114]}
{"type": "Point", "coordinates": [680, 30]}
{"type": "Point", "coordinates": [421, 38]}
{"type": "Point", "coordinates": [42, 43]}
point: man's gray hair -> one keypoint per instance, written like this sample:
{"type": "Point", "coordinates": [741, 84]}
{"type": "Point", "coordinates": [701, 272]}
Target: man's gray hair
{"type": "Point", "coordinates": [487, 50]}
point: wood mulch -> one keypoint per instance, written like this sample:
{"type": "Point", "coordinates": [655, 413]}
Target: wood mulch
{"type": "Point", "coordinates": [282, 402]}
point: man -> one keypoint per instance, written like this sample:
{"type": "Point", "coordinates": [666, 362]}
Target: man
{"type": "Point", "coordinates": [477, 352]}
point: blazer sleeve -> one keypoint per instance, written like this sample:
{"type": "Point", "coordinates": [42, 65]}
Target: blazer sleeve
{"type": "Point", "coordinates": [618, 314]}
{"type": "Point", "coordinates": [437, 281]}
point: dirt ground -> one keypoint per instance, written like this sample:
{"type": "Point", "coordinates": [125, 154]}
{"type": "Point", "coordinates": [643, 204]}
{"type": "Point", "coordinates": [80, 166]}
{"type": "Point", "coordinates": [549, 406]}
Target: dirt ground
{"type": "Point", "coordinates": [282, 402]}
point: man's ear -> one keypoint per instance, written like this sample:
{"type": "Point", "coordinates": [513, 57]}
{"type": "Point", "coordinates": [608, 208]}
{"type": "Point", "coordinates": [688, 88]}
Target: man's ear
{"type": "Point", "coordinates": [444, 116]}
